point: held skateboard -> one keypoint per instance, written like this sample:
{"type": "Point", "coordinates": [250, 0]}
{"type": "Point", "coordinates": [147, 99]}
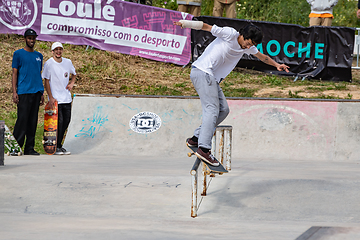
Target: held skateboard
{"type": "Point", "coordinates": [50, 128]}
{"type": "Point", "coordinates": [11, 146]}
{"type": "Point", "coordinates": [212, 169]}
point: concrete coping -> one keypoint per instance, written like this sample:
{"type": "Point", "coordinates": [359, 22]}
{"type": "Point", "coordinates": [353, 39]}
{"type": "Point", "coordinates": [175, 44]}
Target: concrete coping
{"type": "Point", "coordinates": [228, 98]}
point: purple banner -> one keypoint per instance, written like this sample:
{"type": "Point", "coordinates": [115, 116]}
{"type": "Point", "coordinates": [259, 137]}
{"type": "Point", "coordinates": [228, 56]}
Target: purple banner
{"type": "Point", "coordinates": [112, 25]}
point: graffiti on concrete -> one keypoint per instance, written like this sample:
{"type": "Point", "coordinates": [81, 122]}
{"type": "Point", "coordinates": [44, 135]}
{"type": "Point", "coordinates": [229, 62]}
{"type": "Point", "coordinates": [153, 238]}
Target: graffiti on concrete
{"type": "Point", "coordinates": [95, 124]}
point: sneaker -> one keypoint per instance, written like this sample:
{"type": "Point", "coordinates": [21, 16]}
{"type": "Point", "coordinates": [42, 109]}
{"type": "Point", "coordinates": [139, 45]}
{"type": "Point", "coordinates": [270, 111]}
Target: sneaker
{"type": "Point", "coordinates": [59, 152]}
{"type": "Point", "coordinates": [207, 157]}
{"type": "Point", "coordinates": [191, 143]}
{"type": "Point", "coordinates": [64, 151]}
{"type": "Point", "coordinates": [32, 152]}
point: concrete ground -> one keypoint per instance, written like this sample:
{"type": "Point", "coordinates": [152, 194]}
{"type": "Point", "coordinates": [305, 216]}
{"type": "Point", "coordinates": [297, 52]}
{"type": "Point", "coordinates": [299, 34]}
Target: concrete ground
{"type": "Point", "coordinates": [113, 197]}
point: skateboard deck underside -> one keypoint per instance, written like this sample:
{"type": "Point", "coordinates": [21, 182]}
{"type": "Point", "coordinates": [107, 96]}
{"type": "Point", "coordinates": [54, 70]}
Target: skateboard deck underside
{"type": "Point", "coordinates": [218, 169]}
{"type": "Point", "coordinates": [50, 129]}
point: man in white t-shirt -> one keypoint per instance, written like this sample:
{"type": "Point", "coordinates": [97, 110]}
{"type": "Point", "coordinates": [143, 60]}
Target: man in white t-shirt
{"type": "Point", "coordinates": [217, 61]}
{"type": "Point", "coordinates": [57, 71]}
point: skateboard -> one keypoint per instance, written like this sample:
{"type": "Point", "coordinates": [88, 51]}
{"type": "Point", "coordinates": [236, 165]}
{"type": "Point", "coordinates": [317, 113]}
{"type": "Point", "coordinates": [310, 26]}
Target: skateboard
{"type": "Point", "coordinates": [11, 146]}
{"type": "Point", "coordinates": [211, 169]}
{"type": "Point", "coordinates": [50, 128]}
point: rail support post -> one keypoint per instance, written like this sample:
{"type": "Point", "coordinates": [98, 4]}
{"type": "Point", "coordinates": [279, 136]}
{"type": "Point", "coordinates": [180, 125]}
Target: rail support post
{"type": "Point", "coordinates": [221, 145]}
{"type": "Point", "coordinates": [194, 178]}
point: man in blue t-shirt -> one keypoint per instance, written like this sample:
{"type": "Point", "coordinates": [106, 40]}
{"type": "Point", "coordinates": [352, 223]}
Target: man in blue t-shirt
{"type": "Point", "coordinates": [28, 91]}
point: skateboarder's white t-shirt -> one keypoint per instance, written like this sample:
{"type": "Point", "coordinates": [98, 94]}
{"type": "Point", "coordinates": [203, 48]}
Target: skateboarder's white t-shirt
{"type": "Point", "coordinates": [58, 75]}
{"type": "Point", "coordinates": [222, 55]}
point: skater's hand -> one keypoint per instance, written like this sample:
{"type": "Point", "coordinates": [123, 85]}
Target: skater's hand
{"type": "Point", "coordinates": [15, 98]}
{"type": "Point", "coordinates": [178, 24]}
{"type": "Point", "coordinates": [283, 67]}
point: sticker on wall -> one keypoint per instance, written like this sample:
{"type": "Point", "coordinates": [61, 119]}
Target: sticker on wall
{"type": "Point", "coordinates": [145, 122]}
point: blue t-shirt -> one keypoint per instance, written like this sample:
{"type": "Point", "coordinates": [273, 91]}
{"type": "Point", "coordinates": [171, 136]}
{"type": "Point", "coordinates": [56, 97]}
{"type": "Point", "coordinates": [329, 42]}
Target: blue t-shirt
{"type": "Point", "coordinates": [29, 66]}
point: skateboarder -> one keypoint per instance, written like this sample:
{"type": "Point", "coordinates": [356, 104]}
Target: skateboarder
{"type": "Point", "coordinates": [28, 91]}
{"type": "Point", "coordinates": [57, 71]}
{"type": "Point", "coordinates": [217, 61]}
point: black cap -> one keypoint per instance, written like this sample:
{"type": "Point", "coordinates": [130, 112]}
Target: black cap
{"type": "Point", "coordinates": [30, 32]}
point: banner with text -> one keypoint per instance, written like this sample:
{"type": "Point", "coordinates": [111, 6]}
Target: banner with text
{"type": "Point", "coordinates": [312, 52]}
{"type": "Point", "coordinates": [113, 25]}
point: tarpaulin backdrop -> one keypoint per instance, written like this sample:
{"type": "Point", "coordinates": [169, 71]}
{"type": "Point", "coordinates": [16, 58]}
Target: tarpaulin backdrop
{"type": "Point", "coordinates": [314, 52]}
{"type": "Point", "coordinates": [112, 25]}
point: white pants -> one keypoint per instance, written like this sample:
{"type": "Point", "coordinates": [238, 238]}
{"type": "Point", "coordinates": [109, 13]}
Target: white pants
{"type": "Point", "coordinates": [214, 106]}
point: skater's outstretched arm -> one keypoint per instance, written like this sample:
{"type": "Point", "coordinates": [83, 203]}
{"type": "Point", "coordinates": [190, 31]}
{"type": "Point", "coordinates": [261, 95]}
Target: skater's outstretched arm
{"type": "Point", "coordinates": [266, 59]}
{"type": "Point", "coordinates": [197, 25]}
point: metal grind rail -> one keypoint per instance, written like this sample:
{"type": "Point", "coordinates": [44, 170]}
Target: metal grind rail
{"type": "Point", "coordinates": [221, 147]}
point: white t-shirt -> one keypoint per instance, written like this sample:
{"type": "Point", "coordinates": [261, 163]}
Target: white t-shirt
{"type": "Point", "coordinates": [222, 55]}
{"type": "Point", "coordinates": [58, 75]}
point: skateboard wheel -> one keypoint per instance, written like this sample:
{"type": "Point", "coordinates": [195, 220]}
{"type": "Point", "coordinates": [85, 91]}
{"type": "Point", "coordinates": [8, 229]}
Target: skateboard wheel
{"type": "Point", "coordinates": [19, 153]}
{"type": "Point", "coordinates": [43, 142]}
{"type": "Point", "coordinates": [221, 173]}
{"type": "Point", "coordinates": [189, 154]}
{"type": "Point", "coordinates": [8, 153]}
{"type": "Point", "coordinates": [54, 142]}
{"type": "Point", "coordinates": [212, 174]}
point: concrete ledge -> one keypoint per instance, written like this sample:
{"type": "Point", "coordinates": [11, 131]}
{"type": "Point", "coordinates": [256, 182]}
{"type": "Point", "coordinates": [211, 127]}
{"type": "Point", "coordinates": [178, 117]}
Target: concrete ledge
{"type": "Point", "coordinates": [297, 129]}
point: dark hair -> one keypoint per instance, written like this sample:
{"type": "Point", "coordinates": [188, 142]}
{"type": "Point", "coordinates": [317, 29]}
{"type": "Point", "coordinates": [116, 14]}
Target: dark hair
{"type": "Point", "coordinates": [252, 32]}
